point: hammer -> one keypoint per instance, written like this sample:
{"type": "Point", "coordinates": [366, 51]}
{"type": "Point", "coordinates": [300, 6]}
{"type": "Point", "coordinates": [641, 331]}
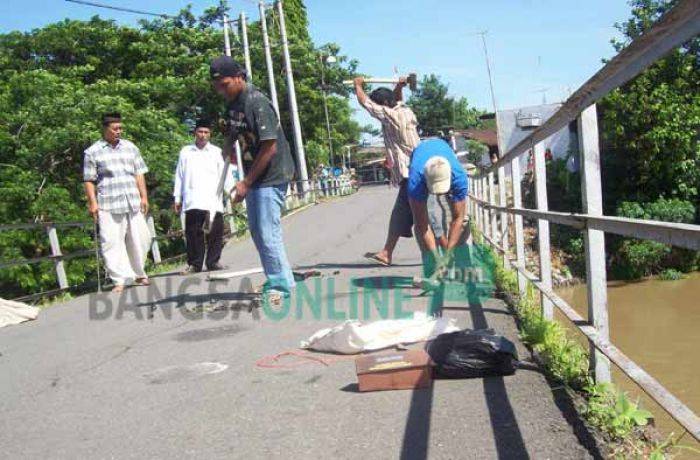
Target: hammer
{"type": "Point", "coordinates": [411, 79]}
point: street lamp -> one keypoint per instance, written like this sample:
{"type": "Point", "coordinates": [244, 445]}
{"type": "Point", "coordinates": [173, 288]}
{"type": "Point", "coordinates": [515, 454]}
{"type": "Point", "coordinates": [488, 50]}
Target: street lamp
{"type": "Point", "coordinates": [327, 59]}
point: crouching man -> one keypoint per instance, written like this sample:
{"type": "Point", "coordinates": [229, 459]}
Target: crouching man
{"type": "Point", "coordinates": [435, 170]}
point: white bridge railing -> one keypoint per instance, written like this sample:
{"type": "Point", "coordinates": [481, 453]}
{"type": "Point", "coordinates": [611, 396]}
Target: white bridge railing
{"type": "Point", "coordinates": [493, 215]}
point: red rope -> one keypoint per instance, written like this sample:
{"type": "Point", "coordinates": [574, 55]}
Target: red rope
{"type": "Point", "coordinates": [272, 362]}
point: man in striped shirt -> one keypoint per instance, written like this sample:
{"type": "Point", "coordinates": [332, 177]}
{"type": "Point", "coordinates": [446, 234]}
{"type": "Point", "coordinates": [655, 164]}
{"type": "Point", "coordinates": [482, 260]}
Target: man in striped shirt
{"type": "Point", "coordinates": [113, 173]}
{"type": "Point", "coordinates": [399, 126]}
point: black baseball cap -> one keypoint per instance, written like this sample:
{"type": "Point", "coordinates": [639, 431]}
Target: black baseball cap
{"type": "Point", "coordinates": [225, 66]}
{"type": "Point", "coordinates": [202, 123]}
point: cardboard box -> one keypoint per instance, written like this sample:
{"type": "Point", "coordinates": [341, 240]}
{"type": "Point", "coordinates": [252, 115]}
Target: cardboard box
{"type": "Point", "coordinates": [398, 370]}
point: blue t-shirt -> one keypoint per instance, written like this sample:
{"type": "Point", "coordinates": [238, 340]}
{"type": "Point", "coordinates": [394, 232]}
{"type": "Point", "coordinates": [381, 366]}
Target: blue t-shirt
{"type": "Point", "coordinates": [417, 187]}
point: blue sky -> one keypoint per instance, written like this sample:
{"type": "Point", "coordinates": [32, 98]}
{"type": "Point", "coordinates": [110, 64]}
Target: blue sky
{"type": "Point", "coordinates": [533, 44]}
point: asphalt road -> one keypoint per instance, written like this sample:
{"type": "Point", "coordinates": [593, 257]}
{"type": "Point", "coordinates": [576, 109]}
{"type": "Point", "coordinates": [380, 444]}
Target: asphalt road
{"type": "Point", "coordinates": [170, 371]}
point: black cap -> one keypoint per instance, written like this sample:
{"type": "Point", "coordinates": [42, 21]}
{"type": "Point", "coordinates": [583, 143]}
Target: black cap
{"type": "Point", "coordinates": [224, 66]}
{"type": "Point", "coordinates": [202, 123]}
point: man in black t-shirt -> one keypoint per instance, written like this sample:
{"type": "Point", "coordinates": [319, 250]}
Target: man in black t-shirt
{"type": "Point", "coordinates": [268, 167]}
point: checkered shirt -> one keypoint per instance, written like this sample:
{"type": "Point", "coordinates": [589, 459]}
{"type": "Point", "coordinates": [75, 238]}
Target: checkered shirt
{"type": "Point", "coordinates": [114, 169]}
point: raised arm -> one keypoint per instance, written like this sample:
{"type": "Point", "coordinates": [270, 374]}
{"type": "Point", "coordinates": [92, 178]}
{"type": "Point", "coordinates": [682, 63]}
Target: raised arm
{"type": "Point", "coordinates": [398, 89]}
{"type": "Point", "coordinates": [359, 91]}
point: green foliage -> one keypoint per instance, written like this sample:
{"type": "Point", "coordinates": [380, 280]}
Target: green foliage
{"type": "Point", "coordinates": [564, 359]}
{"type": "Point", "coordinates": [436, 112]}
{"type": "Point", "coordinates": [612, 410]}
{"type": "Point", "coordinates": [650, 125]}
{"type": "Point", "coordinates": [671, 274]}
{"type": "Point", "coordinates": [636, 258]}
{"type": "Point", "coordinates": [56, 81]}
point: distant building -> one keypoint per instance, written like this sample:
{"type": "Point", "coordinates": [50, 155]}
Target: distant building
{"type": "Point", "coordinates": [516, 124]}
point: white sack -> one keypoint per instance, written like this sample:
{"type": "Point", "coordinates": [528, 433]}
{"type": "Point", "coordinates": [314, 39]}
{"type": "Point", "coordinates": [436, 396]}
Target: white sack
{"type": "Point", "coordinates": [353, 337]}
{"type": "Point", "coordinates": [12, 312]}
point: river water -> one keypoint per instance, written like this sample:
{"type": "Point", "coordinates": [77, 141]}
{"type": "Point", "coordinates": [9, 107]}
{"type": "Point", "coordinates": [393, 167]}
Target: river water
{"type": "Point", "coordinates": [657, 324]}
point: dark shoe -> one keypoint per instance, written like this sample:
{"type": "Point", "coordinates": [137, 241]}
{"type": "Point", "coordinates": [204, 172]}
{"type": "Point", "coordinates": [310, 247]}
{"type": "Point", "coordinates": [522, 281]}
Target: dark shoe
{"type": "Point", "coordinates": [217, 267]}
{"type": "Point", "coordinates": [189, 270]}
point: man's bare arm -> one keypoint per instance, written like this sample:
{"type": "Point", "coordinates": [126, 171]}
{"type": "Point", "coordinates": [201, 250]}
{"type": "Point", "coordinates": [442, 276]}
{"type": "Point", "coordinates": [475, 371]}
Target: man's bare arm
{"type": "Point", "coordinates": [141, 185]}
{"type": "Point", "coordinates": [359, 91]}
{"type": "Point", "coordinates": [421, 221]}
{"type": "Point", "coordinates": [93, 208]}
{"type": "Point", "coordinates": [398, 89]}
{"type": "Point", "coordinates": [455, 231]}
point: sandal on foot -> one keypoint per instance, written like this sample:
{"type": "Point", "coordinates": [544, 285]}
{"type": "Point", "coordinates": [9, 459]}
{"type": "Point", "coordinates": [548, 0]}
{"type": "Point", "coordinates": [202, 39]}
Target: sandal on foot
{"type": "Point", "coordinates": [375, 258]}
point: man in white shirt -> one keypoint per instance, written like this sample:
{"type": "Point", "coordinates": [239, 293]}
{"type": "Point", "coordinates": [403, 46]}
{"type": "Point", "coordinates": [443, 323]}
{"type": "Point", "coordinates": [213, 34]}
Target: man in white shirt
{"type": "Point", "coordinates": [199, 170]}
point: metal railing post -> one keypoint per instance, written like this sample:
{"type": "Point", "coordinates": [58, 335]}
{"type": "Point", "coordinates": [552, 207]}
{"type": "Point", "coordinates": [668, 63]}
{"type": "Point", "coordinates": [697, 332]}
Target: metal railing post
{"type": "Point", "coordinates": [474, 183]}
{"type": "Point", "coordinates": [484, 209]}
{"type": "Point", "coordinates": [596, 277]}
{"type": "Point", "coordinates": [56, 252]}
{"type": "Point", "coordinates": [519, 234]}
{"type": "Point", "coordinates": [155, 250]}
{"type": "Point", "coordinates": [543, 227]}
{"type": "Point", "coordinates": [504, 217]}
{"type": "Point", "coordinates": [492, 212]}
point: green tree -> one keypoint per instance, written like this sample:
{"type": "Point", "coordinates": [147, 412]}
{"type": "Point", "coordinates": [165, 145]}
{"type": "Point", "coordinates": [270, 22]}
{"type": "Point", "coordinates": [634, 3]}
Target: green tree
{"type": "Point", "coordinates": [437, 112]}
{"type": "Point", "coordinates": [650, 125]}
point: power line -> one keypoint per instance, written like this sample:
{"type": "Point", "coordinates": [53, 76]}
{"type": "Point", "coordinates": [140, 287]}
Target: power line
{"type": "Point", "coordinates": [118, 8]}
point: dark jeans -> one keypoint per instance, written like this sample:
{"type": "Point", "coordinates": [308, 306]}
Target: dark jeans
{"type": "Point", "coordinates": [194, 222]}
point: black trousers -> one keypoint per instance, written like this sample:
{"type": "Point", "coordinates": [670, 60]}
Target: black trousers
{"type": "Point", "coordinates": [194, 233]}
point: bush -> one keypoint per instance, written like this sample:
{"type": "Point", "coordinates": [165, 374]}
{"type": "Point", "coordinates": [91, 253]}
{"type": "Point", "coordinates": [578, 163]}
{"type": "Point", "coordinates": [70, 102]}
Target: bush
{"type": "Point", "coordinates": [671, 274]}
{"type": "Point", "coordinates": [636, 258]}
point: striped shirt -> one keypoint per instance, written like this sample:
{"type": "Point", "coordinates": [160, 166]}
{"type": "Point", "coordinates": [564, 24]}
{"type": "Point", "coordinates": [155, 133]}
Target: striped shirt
{"type": "Point", "coordinates": [399, 126]}
{"type": "Point", "coordinates": [114, 169]}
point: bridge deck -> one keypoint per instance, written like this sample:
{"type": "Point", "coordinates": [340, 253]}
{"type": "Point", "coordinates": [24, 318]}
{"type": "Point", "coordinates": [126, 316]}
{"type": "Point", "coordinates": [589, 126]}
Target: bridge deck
{"type": "Point", "coordinates": [73, 387]}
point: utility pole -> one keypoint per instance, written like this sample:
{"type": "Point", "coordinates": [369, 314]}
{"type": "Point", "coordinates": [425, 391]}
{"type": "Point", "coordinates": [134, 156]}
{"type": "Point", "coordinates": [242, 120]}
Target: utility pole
{"type": "Point", "coordinates": [227, 42]}
{"type": "Point", "coordinates": [296, 125]}
{"type": "Point", "coordinates": [268, 59]}
{"type": "Point", "coordinates": [246, 49]}
{"type": "Point", "coordinates": [331, 157]}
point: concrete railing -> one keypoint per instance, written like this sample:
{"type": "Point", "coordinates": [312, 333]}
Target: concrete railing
{"type": "Point", "coordinates": [493, 215]}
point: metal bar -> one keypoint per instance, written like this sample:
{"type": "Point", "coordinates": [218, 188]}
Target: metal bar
{"type": "Point", "coordinates": [519, 233]}
{"type": "Point", "coordinates": [291, 92]}
{"type": "Point", "coordinates": [673, 233]}
{"type": "Point", "coordinates": [672, 405]}
{"type": "Point", "coordinates": [485, 194]}
{"type": "Point", "coordinates": [56, 253]}
{"type": "Point", "coordinates": [502, 202]}
{"type": "Point", "coordinates": [543, 226]}
{"type": "Point", "coordinates": [676, 27]}
{"type": "Point", "coordinates": [268, 59]}
{"type": "Point", "coordinates": [486, 222]}
{"type": "Point", "coordinates": [155, 250]}
{"type": "Point", "coordinates": [492, 200]}
{"type": "Point", "coordinates": [40, 225]}
{"type": "Point", "coordinates": [596, 277]}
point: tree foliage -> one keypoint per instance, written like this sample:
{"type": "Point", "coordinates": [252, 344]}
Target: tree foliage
{"type": "Point", "coordinates": [651, 124]}
{"type": "Point", "coordinates": [438, 113]}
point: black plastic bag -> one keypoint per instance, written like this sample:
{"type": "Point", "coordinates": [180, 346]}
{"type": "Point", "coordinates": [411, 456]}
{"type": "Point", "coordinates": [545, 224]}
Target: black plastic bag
{"type": "Point", "coordinates": [467, 353]}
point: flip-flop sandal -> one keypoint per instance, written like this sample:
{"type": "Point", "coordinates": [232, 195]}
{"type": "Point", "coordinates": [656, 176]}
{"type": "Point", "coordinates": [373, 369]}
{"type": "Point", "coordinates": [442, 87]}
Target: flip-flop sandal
{"type": "Point", "coordinates": [374, 258]}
